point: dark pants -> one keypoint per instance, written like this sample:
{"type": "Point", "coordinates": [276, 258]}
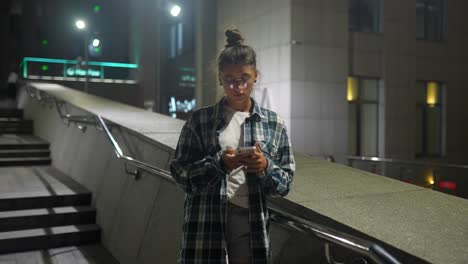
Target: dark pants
{"type": "Point", "coordinates": [238, 234]}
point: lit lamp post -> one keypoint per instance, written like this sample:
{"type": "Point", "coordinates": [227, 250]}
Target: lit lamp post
{"type": "Point", "coordinates": [175, 10]}
{"type": "Point", "coordinates": [81, 25]}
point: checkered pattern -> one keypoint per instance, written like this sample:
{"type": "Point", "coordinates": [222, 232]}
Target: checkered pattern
{"type": "Point", "coordinates": [198, 170]}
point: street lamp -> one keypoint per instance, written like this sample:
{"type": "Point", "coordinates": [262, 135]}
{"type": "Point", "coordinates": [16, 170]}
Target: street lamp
{"type": "Point", "coordinates": [81, 25]}
{"type": "Point", "coordinates": [95, 43]}
{"type": "Point", "coordinates": [175, 10]}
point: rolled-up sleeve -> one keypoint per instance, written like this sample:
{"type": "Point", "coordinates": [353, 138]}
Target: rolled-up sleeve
{"type": "Point", "coordinates": [278, 176]}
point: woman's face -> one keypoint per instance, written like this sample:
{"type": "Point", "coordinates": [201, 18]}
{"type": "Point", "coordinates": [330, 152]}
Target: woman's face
{"type": "Point", "coordinates": [238, 82]}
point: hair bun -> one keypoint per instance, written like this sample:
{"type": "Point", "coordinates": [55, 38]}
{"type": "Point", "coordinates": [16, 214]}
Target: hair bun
{"type": "Point", "coordinates": [233, 38]}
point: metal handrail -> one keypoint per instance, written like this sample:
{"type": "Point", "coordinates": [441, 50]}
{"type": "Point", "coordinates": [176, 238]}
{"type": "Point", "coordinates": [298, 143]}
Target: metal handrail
{"type": "Point", "coordinates": [136, 163]}
{"type": "Point", "coordinates": [407, 162]}
{"type": "Point", "coordinates": [361, 246]}
{"type": "Point", "coordinates": [371, 250]}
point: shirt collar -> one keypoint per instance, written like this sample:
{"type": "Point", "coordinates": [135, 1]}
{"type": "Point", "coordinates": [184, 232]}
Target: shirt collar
{"type": "Point", "coordinates": [256, 113]}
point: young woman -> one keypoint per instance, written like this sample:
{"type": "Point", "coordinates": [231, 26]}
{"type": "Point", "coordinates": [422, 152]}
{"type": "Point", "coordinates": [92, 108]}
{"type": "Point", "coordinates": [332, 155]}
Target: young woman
{"type": "Point", "coordinates": [226, 215]}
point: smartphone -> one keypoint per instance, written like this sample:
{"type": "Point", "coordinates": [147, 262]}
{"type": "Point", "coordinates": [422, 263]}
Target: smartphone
{"type": "Point", "coordinates": [245, 150]}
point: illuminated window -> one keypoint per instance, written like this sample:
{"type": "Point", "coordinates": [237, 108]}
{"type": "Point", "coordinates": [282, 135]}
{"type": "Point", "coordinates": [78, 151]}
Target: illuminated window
{"type": "Point", "coordinates": [364, 15]}
{"type": "Point", "coordinates": [430, 19]}
{"type": "Point", "coordinates": [363, 98]}
{"type": "Point", "coordinates": [429, 119]}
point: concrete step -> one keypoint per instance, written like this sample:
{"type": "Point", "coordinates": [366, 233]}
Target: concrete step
{"type": "Point", "coordinates": [20, 131]}
{"type": "Point", "coordinates": [25, 161]}
{"type": "Point", "coordinates": [11, 113]}
{"type": "Point", "coordinates": [46, 217]}
{"type": "Point", "coordinates": [15, 122]}
{"type": "Point", "coordinates": [37, 145]}
{"type": "Point", "coordinates": [11, 153]}
{"type": "Point", "coordinates": [82, 254]}
{"type": "Point", "coordinates": [50, 237]}
{"type": "Point", "coordinates": [16, 126]}
{"type": "Point", "coordinates": [10, 119]}
{"type": "Point", "coordinates": [23, 202]}
{"type": "Point", "coordinates": [12, 141]}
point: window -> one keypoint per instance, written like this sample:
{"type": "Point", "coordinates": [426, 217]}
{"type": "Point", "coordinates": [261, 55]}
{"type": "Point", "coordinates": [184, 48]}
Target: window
{"type": "Point", "coordinates": [429, 119]}
{"type": "Point", "coordinates": [430, 19]}
{"type": "Point", "coordinates": [364, 15]}
{"type": "Point", "coordinates": [363, 98]}
{"type": "Point", "coordinates": [176, 41]}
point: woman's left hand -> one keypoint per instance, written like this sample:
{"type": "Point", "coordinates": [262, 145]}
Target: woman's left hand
{"type": "Point", "coordinates": [254, 162]}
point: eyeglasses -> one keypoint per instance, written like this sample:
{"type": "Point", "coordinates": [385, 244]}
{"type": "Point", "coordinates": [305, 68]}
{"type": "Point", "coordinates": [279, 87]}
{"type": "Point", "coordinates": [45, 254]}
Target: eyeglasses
{"type": "Point", "coordinates": [241, 83]}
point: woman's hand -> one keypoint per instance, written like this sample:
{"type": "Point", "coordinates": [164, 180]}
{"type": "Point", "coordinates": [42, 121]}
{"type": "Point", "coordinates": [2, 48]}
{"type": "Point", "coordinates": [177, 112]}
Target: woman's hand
{"type": "Point", "coordinates": [230, 160]}
{"type": "Point", "coordinates": [254, 162]}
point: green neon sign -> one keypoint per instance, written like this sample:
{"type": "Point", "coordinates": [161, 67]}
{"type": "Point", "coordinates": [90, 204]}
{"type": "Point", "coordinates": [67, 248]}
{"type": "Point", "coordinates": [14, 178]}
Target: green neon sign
{"type": "Point", "coordinates": [80, 72]}
{"type": "Point", "coordinates": [69, 67]}
{"type": "Point", "coordinates": [92, 63]}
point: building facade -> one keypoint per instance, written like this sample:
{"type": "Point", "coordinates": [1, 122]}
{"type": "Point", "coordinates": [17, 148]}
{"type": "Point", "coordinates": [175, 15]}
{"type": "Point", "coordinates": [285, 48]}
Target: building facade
{"type": "Point", "coordinates": [362, 77]}
{"type": "Point", "coordinates": [349, 77]}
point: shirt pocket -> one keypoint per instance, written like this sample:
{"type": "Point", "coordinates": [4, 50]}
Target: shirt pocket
{"type": "Point", "coordinates": [269, 149]}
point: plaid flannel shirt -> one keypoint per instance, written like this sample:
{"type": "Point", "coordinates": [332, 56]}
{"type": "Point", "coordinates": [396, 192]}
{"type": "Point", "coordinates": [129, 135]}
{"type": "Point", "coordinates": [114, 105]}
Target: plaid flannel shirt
{"type": "Point", "coordinates": [197, 168]}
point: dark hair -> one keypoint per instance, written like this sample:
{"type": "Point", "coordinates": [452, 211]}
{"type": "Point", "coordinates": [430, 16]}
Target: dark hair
{"type": "Point", "coordinates": [235, 52]}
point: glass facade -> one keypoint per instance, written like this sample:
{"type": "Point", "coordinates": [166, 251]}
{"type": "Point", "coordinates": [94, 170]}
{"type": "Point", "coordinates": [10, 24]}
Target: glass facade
{"type": "Point", "coordinates": [365, 15]}
{"type": "Point", "coordinates": [429, 119]}
{"type": "Point", "coordinates": [363, 116]}
{"type": "Point", "coordinates": [430, 20]}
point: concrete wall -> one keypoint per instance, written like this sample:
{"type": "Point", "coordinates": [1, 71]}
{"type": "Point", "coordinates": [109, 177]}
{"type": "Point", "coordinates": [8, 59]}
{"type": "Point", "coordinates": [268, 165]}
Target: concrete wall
{"type": "Point", "coordinates": [130, 94]}
{"type": "Point", "coordinates": [206, 51]}
{"type": "Point", "coordinates": [140, 220]}
{"type": "Point", "coordinates": [319, 66]}
{"type": "Point", "coordinates": [265, 24]}
{"type": "Point", "coordinates": [145, 48]}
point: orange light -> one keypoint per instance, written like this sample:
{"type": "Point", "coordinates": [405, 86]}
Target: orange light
{"type": "Point", "coordinates": [432, 93]}
{"type": "Point", "coordinates": [352, 89]}
{"type": "Point", "coordinates": [430, 178]}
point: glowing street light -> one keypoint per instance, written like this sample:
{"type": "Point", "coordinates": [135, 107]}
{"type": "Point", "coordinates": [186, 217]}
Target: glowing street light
{"type": "Point", "coordinates": [95, 43]}
{"type": "Point", "coordinates": [80, 24]}
{"type": "Point", "coordinates": [175, 10]}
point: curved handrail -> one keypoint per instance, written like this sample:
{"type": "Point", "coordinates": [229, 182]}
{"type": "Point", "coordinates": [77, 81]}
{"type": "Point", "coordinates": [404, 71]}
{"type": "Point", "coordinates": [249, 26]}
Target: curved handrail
{"type": "Point", "coordinates": [361, 246]}
{"type": "Point", "coordinates": [136, 163]}
{"type": "Point", "coordinates": [372, 250]}
{"type": "Point", "coordinates": [408, 162]}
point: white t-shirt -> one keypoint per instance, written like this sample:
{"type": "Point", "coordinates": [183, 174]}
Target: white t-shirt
{"type": "Point", "coordinates": [233, 136]}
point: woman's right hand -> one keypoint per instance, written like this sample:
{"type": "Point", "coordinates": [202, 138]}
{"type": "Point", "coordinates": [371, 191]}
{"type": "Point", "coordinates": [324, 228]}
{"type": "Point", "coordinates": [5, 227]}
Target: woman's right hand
{"type": "Point", "coordinates": [230, 159]}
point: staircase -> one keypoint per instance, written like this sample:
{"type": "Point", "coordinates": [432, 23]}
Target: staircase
{"type": "Point", "coordinates": [40, 207]}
